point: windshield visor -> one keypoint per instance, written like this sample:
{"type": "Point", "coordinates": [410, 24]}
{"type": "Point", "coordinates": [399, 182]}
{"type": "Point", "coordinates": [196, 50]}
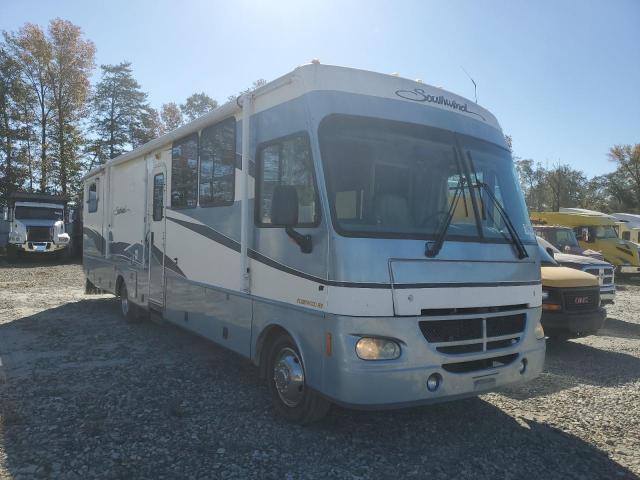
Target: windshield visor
{"type": "Point", "coordinates": [38, 213]}
{"type": "Point", "coordinates": [393, 179]}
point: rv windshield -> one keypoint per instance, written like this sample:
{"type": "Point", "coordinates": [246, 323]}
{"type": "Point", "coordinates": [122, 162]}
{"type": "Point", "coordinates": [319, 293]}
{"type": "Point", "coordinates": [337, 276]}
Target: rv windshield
{"type": "Point", "coordinates": [38, 213]}
{"type": "Point", "coordinates": [394, 179]}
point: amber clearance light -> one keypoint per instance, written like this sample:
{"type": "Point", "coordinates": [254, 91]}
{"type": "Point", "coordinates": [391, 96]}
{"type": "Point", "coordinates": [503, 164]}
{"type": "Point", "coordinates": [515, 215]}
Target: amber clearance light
{"type": "Point", "coordinates": [551, 306]}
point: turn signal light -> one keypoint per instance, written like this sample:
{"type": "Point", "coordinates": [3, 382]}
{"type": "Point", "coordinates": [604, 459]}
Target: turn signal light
{"type": "Point", "coordinates": [551, 306]}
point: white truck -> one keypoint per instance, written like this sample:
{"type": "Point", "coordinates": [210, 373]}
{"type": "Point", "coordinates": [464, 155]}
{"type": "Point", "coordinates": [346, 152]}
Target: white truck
{"type": "Point", "coordinates": [37, 225]}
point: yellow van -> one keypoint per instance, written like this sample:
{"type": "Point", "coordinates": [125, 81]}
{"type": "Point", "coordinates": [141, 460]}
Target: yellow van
{"type": "Point", "coordinates": [596, 232]}
{"type": "Point", "coordinates": [571, 305]}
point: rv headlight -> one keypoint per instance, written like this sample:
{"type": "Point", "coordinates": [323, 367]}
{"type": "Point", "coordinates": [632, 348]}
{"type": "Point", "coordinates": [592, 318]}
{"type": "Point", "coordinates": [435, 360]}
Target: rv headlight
{"type": "Point", "coordinates": [370, 348]}
{"type": "Point", "coordinates": [538, 331]}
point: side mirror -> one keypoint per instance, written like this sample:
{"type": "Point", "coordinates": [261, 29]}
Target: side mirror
{"type": "Point", "coordinates": [284, 206]}
{"type": "Point", "coordinates": [284, 213]}
{"type": "Point", "coordinates": [550, 252]}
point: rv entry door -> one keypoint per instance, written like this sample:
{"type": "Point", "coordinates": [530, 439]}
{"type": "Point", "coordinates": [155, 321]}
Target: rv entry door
{"type": "Point", "coordinates": [156, 237]}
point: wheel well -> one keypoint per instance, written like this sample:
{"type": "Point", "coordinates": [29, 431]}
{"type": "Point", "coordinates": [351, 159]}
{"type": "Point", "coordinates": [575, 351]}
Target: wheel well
{"type": "Point", "coordinates": [264, 340]}
{"type": "Point", "coordinates": [119, 282]}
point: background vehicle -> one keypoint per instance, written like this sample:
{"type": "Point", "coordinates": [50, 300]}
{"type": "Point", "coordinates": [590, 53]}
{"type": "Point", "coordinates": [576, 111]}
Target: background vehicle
{"type": "Point", "coordinates": [333, 259]}
{"type": "Point", "coordinates": [628, 226]}
{"type": "Point", "coordinates": [37, 224]}
{"type": "Point", "coordinates": [596, 232]}
{"type": "Point", "coordinates": [564, 239]}
{"type": "Point", "coordinates": [570, 300]}
{"type": "Point", "coordinates": [599, 268]}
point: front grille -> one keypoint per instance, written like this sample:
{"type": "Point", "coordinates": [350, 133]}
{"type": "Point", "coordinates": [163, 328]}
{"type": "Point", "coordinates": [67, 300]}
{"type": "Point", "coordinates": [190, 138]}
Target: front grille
{"type": "Point", "coordinates": [472, 335]}
{"type": "Point", "coordinates": [39, 234]}
{"type": "Point", "coordinates": [498, 326]}
{"type": "Point", "coordinates": [608, 271]}
{"type": "Point", "coordinates": [607, 281]}
{"type": "Point", "coordinates": [436, 331]}
{"type": "Point", "coordinates": [581, 300]}
{"type": "Point", "coordinates": [482, 364]}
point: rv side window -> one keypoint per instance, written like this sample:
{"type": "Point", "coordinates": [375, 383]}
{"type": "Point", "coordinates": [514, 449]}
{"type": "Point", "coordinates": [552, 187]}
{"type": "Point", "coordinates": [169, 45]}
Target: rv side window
{"type": "Point", "coordinates": [287, 162]}
{"type": "Point", "coordinates": [184, 172]}
{"type": "Point", "coordinates": [626, 235]}
{"type": "Point", "coordinates": [217, 163]}
{"type": "Point", "coordinates": [92, 198]}
{"type": "Point", "coordinates": [158, 196]}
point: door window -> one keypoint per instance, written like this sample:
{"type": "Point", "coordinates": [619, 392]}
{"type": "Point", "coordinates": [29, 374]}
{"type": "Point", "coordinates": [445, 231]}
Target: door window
{"type": "Point", "coordinates": [92, 197]}
{"type": "Point", "coordinates": [158, 197]}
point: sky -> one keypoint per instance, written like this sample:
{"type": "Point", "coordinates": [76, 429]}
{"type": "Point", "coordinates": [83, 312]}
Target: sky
{"type": "Point", "coordinates": [561, 76]}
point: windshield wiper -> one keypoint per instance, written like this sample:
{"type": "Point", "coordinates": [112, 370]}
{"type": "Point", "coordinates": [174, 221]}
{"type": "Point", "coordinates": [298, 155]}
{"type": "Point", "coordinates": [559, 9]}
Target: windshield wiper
{"type": "Point", "coordinates": [433, 248]}
{"type": "Point", "coordinates": [516, 240]}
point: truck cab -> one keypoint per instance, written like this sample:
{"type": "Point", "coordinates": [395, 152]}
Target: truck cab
{"type": "Point", "coordinates": [37, 224]}
{"type": "Point", "coordinates": [571, 303]}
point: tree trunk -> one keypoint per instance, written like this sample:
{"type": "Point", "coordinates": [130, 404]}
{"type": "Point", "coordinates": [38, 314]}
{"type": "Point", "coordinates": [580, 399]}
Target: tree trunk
{"type": "Point", "coordinates": [43, 150]}
{"type": "Point", "coordinates": [61, 153]}
{"type": "Point", "coordinates": [8, 151]}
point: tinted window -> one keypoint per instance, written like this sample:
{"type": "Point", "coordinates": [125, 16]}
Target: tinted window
{"type": "Point", "coordinates": [38, 213]}
{"type": "Point", "coordinates": [626, 235]}
{"type": "Point", "coordinates": [287, 162]}
{"type": "Point", "coordinates": [92, 199]}
{"type": "Point", "coordinates": [184, 172]}
{"type": "Point", "coordinates": [217, 163]}
{"type": "Point", "coordinates": [158, 196]}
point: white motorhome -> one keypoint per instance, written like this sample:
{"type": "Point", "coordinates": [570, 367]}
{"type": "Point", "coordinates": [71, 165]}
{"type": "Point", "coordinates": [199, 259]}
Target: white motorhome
{"type": "Point", "coordinates": [360, 237]}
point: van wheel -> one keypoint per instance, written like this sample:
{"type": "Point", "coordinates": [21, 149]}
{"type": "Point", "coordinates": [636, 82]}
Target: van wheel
{"type": "Point", "coordinates": [130, 311]}
{"type": "Point", "coordinates": [291, 397]}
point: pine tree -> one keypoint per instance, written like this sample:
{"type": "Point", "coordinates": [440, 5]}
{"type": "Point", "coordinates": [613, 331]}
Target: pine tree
{"type": "Point", "coordinates": [118, 105]}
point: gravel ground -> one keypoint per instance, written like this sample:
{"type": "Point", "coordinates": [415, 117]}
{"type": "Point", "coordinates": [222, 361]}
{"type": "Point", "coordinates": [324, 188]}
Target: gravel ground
{"type": "Point", "coordinates": [85, 395]}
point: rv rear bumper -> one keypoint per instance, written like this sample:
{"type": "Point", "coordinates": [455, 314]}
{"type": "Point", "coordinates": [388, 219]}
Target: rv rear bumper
{"type": "Point", "coordinates": [380, 384]}
{"type": "Point", "coordinates": [574, 322]}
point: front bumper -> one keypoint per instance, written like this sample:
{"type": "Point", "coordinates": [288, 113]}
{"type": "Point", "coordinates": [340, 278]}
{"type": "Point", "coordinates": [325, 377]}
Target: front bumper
{"type": "Point", "coordinates": [629, 269]}
{"type": "Point", "coordinates": [607, 296]}
{"type": "Point", "coordinates": [574, 322]}
{"type": "Point", "coordinates": [356, 383]}
{"type": "Point", "coordinates": [40, 247]}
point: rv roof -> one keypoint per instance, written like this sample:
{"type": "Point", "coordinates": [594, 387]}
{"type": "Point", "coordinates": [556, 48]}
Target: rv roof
{"type": "Point", "coordinates": [315, 76]}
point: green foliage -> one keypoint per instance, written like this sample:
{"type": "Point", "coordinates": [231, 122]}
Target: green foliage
{"type": "Point", "coordinates": [563, 186]}
{"type": "Point", "coordinates": [197, 105]}
{"type": "Point", "coordinates": [171, 116]}
{"type": "Point", "coordinates": [118, 105]}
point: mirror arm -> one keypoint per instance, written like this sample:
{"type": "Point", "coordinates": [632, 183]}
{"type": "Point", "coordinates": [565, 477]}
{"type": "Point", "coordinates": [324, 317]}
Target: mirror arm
{"type": "Point", "coordinates": [304, 241]}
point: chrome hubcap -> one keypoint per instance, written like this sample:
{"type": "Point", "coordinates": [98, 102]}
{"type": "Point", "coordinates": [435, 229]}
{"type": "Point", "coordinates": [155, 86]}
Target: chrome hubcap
{"type": "Point", "coordinates": [288, 376]}
{"type": "Point", "coordinates": [124, 303]}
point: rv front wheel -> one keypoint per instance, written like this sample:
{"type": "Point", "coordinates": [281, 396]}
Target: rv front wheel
{"type": "Point", "coordinates": [292, 399]}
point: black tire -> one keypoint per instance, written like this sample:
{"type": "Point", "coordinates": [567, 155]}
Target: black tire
{"type": "Point", "coordinates": [129, 310]}
{"type": "Point", "coordinates": [292, 399]}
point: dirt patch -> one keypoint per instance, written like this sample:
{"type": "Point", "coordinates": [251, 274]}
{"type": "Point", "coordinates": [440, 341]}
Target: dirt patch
{"type": "Point", "coordinates": [86, 395]}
